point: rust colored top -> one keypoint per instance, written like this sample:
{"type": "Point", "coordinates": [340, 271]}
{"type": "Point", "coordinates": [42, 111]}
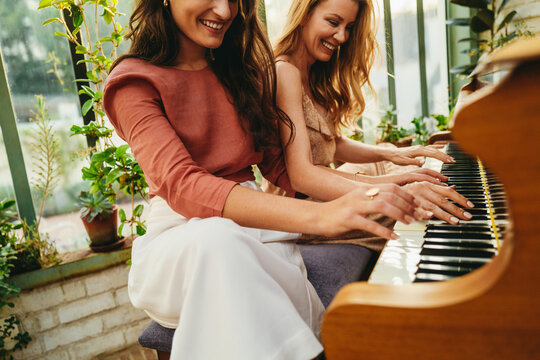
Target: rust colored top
{"type": "Point", "coordinates": [186, 135]}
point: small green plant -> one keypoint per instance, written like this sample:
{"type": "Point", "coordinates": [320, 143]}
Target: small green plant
{"type": "Point", "coordinates": [389, 131]}
{"type": "Point", "coordinates": [94, 205]}
{"type": "Point", "coordinates": [442, 121]}
{"type": "Point", "coordinates": [111, 169]}
{"type": "Point", "coordinates": [114, 170]}
{"type": "Point", "coordinates": [421, 131]}
{"type": "Point", "coordinates": [9, 241]}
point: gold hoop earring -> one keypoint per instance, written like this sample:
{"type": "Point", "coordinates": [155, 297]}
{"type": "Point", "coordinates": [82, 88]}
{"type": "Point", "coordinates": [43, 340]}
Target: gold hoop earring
{"type": "Point", "coordinates": [165, 3]}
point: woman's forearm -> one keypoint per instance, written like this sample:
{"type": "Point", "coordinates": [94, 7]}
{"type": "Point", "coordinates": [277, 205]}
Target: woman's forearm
{"type": "Point", "coordinates": [352, 151]}
{"type": "Point", "coordinates": [256, 209]}
{"type": "Point", "coordinates": [318, 182]}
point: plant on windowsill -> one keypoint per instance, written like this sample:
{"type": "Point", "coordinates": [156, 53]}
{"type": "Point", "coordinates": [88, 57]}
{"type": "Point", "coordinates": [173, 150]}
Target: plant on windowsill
{"type": "Point", "coordinates": [8, 238]}
{"type": "Point", "coordinates": [491, 34]}
{"type": "Point", "coordinates": [100, 220]}
{"type": "Point", "coordinates": [390, 132]}
{"type": "Point", "coordinates": [111, 169]}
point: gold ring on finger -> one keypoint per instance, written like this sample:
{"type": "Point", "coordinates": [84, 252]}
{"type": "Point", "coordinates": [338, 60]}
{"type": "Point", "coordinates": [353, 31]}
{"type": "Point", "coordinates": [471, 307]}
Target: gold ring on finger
{"type": "Point", "coordinates": [372, 192]}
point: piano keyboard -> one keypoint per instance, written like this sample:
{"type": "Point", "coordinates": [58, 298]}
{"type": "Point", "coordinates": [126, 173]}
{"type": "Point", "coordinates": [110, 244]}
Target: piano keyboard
{"type": "Point", "coordinates": [434, 250]}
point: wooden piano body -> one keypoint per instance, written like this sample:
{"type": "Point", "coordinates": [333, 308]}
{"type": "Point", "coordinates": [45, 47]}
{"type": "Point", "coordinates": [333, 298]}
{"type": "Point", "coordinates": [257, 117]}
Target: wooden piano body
{"type": "Point", "coordinates": [493, 312]}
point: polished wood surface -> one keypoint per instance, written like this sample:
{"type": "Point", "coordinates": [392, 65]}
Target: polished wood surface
{"type": "Point", "coordinates": [493, 312]}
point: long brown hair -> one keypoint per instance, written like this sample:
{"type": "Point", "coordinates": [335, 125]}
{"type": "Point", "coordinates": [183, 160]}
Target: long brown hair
{"type": "Point", "coordinates": [244, 62]}
{"type": "Point", "coordinates": [336, 84]}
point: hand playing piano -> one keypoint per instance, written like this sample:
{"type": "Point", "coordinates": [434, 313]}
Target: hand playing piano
{"type": "Point", "coordinates": [414, 155]}
{"type": "Point", "coordinates": [350, 211]}
{"type": "Point", "coordinates": [436, 200]}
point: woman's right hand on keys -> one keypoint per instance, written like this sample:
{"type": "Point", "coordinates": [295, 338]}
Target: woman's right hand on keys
{"type": "Point", "coordinates": [350, 211]}
{"type": "Point", "coordinates": [436, 200]}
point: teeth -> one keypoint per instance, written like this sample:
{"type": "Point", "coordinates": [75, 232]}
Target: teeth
{"type": "Point", "coordinates": [328, 45]}
{"type": "Point", "coordinates": [212, 24]}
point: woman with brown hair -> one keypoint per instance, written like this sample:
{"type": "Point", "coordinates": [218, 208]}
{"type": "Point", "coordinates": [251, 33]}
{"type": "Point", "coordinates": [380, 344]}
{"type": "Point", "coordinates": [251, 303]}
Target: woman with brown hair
{"type": "Point", "coordinates": [195, 100]}
{"type": "Point", "coordinates": [323, 59]}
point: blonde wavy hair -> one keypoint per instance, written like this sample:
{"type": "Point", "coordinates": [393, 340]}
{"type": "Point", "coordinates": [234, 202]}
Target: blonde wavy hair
{"type": "Point", "coordinates": [337, 84]}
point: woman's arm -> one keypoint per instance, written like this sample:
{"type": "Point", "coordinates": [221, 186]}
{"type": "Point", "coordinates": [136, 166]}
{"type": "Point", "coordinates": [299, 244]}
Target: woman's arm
{"type": "Point", "coordinates": [257, 209]}
{"type": "Point", "coordinates": [348, 150]}
{"type": "Point", "coordinates": [305, 177]}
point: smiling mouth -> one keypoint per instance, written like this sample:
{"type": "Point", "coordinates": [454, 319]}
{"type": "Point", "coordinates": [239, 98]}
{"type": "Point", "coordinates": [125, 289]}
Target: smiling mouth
{"type": "Point", "coordinates": [212, 25]}
{"type": "Point", "coordinates": [328, 45]}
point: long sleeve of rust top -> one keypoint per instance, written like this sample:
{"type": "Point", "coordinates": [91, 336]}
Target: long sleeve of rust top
{"type": "Point", "coordinates": [186, 135]}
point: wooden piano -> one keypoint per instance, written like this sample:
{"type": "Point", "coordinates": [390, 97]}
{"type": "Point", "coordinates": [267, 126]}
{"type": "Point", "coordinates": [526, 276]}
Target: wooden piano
{"type": "Point", "coordinates": [492, 312]}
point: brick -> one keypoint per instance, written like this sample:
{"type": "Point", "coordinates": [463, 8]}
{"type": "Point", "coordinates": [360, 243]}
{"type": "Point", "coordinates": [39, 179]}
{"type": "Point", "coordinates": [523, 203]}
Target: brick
{"type": "Point", "coordinates": [104, 343]}
{"type": "Point", "coordinates": [84, 307]}
{"type": "Point", "coordinates": [71, 333]}
{"type": "Point", "coordinates": [57, 355]}
{"type": "Point", "coordinates": [133, 331]}
{"type": "Point", "coordinates": [29, 323]}
{"type": "Point", "coordinates": [73, 290]}
{"type": "Point", "coordinates": [123, 315]}
{"type": "Point", "coordinates": [108, 279]}
{"type": "Point", "coordinates": [121, 296]}
{"type": "Point", "coordinates": [41, 298]}
{"type": "Point", "coordinates": [46, 320]}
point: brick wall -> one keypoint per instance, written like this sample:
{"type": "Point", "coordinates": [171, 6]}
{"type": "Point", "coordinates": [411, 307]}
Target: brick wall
{"type": "Point", "coordinates": [80, 318]}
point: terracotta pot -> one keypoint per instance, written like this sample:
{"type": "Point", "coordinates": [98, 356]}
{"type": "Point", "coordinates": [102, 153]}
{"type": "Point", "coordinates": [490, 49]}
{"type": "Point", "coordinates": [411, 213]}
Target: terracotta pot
{"type": "Point", "coordinates": [102, 231]}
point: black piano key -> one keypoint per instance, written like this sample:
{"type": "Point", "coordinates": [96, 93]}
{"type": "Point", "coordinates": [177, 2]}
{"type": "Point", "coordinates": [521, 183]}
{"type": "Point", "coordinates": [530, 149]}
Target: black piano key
{"type": "Point", "coordinates": [466, 263]}
{"type": "Point", "coordinates": [457, 235]}
{"type": "Point", "coordinates": [456, 251]}
{"type": "Point", "coordinates": [470, 244]}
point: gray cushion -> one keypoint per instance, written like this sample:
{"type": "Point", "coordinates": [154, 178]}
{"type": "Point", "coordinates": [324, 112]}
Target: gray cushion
{"type": "Point", "coordinates": [332, 266]}
{"type": "Point", "coordinates": [329, 267]}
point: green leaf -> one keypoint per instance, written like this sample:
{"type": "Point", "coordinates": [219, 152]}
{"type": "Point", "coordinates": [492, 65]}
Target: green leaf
{"type": "Point", "coordinates": [113, 175]}
{"type": "Point", "coordinates": [507, 19]}
{"type": "Point", "coordinates": [477, 4]}
{"type": "Point", "coordinates": [472, 40]}
{"type": "Point", "coordinates": [50, 21]}
{"type": "Point", "coordinates": [503, 4]}
{"type": "Point", "coordinates": [77, 16]}
{"type": "Point", "coordinates": [87, 106]}
{"type": "Point", "coordinates": [120, 228]}
{"type": "Point", "coordinates": [80, 49]}
{"type": "Point", "coordinates": [44, 4]}
{"type": "Point", "coordinates": [100, 157]}
{"type": "Point", "coordinates": [463, 69]}
{"type": "Point", "coordinates": [56, 33]}
{"type": "Point", "coordinates": [459, 22]}
{"type": "Point", "coordinates": [121, 150]}
{"type": "Point", "coordinates": [482, 21]}
{"type": "Point", "coordinates": [138, 210]}
{"type": "Point", "coordinates": [122, 215]}
{"type": "Point", "coordinates": [140, 230]}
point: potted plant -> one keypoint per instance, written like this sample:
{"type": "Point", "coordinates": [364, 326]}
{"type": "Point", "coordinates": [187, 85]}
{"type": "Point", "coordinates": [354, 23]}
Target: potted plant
{"type": "Point", "coordinates": [100, 220]}
{"type": "Point", "coordinates": [111, 169]}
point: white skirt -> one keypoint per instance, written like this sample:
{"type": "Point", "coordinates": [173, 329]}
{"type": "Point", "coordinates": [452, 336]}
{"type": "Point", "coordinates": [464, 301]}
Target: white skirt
{"type": "Point", "coordinates": [230, 291]}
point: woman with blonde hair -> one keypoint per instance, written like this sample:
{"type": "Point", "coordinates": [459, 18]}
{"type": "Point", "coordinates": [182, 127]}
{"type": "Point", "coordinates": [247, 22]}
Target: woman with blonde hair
{"type": "Point", "coordinates": [323, 60]}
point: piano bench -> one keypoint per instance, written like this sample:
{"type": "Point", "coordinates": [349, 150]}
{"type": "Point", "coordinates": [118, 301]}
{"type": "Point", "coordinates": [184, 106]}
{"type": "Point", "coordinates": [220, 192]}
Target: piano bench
{"type": "Point", "coordinates": [329, 267]}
